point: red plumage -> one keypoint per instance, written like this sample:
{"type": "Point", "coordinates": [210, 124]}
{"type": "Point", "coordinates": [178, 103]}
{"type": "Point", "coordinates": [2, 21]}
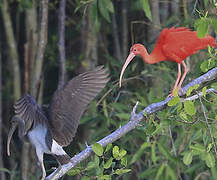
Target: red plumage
{"type": "Point", "coordinates": [176, 44]}
{"type": "Point", "coordinates": [173, 44]}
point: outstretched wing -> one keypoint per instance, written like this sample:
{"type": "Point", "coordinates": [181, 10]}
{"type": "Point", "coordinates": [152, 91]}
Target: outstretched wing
{"type": "Point", "coordinates": [69, 103]}
{"type": "Point", "coordinates": [29, 112]}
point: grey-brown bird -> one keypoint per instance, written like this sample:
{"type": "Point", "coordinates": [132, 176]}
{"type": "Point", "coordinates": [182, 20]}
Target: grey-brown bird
{"type": "Point", "coordinates": [50, 133]}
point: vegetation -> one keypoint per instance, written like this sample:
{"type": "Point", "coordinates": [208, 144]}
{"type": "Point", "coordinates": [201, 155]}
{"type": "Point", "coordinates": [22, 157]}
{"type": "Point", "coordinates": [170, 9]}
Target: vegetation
{"type": "Point", "coordinates": [178, 142]}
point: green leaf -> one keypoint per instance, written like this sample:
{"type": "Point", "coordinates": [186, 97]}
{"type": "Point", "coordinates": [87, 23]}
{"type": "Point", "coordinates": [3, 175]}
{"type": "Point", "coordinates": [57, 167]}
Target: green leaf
{"type": "Point", "coordinates": [115, 152]}
{"type": "Point", "coordinates": [5, 170]}
{"type": "Point", "coordinates": [104, 10]}
{"type": "Point", "coordinates": [174, 101]}
{"type": "Point", "coordinates": [170, 172]}
{"type": "Point", "coordinates": [96, 160]}
{"type": "Point", "coordinates": [190, 89]}
{"type": "Point", "coordinates": [210, 145]}
{"type": "Point", "coordinates": [189, 108]}
{"type": "Point", "coordinates": [176, 92]}
{"type": "Point", "coordinates": [124, 116]}
{"type": "Point", "coordinates": [105, 108]}
{"type": "Point", "coordinates": [94, 16]}
{"type": "Point", "coordinates": [183, 116]}
{"type": "Point", "coordinates": [153, 154]}
{"type": "Point", "coordinates": [140, 152]}
{"type": "Point", "coordinates": [187, 159]}
{"type": "Point", "coordinates": [214, 85]}
{"type": "Point", "coordinates": [85, 178]}
{"type": "Point", "coordinates": [108, 147]}
{"type": "Point", "coordinates": [97, 149]}
{"type": "Point", "coordinates": [214, 23]}
{"type": "Point", "coordinates": [207, 65]}
{"type": "Point", "coordinates": [146, 8]}
{"type": "Point", "coordinates": [167, 154]}
{"type": "Point", "coordinates": [210, 160]}
{"type": "Point", "coordinates": [109, 6]}
{"type": "Point", "coordinates": [124, 161]}
{"type": "Point", "coordinates": [104, 177]}
{"type": "Point", "coordinates": [122, 171]}
{"type": "Point", "coordinates": [204, 91]}
{"type": "Point", "coordinates": [214, 172]}
{"type": "Point", "coordinates": [160, 171]}
{"type": "Point", "coordinates": [108, 163]}
{"type": "Point", "coordinates": [90, 165]}
{"type": "Point", "coordinates": [202, 27]}
{"type": "Point", "coordinates": [74, 171]}
{"type": "Point", "coordinates": [197, 148]}
{"type": "Point", "coordinates": [122, 153]}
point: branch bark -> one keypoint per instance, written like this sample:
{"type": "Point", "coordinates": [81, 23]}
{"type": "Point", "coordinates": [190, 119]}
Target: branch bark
{"type": "Point", "coordinates": [133, 123]}
{"type": "Point", "coordinates": [61, 43]}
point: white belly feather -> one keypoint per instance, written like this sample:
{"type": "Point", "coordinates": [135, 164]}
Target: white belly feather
{"type": "Point", "coordinates": [37, 138]}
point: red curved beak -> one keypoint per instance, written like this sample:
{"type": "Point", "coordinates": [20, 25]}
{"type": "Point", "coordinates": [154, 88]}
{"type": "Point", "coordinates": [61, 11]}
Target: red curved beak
{"type": "Point", "coordinates": [129, 59]}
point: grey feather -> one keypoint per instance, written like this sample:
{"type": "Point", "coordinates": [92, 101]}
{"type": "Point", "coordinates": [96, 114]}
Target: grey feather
{"type": "Point", "coordinates": [69, 103]}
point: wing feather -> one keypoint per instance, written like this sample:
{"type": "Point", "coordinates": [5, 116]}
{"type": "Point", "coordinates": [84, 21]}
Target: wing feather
{"type": "Point", "coordinates": [69, 103]}
{"type": "Point", "coordinates": [28, 110]}
{"type": "Point", "coordinates": [183, 43]}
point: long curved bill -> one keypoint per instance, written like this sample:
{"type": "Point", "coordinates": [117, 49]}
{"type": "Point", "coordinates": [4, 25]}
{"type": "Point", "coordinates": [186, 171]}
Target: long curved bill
{"type": "Point", "coordinates": [10, 134]}
{"type": "Point", "coordinates": [129, 59]}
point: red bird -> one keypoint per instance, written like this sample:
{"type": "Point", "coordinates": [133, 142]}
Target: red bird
{"type": "Point", "coordinates": [173, 44]}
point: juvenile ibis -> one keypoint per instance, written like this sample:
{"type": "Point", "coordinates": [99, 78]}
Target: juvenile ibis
{"type": "Point", "coordinates": [50, 133]}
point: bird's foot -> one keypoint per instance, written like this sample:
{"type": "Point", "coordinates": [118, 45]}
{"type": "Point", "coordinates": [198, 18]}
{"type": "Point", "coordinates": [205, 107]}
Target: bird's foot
{"type": "Point", "coordinates": [43, 177]}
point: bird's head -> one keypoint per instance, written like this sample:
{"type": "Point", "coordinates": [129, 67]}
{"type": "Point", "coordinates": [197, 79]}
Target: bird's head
{"type": "Point", "coordinates": [135, 50]}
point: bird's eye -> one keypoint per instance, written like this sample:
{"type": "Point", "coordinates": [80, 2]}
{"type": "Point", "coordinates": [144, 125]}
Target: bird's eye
{"type": "Point", "coordinates": [134, 50]}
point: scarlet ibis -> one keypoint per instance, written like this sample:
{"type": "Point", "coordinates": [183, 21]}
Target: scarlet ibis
{"type": "Point", "coordinates": [173, 44]}
{"type": "Point", "coordinates": [49, 134]}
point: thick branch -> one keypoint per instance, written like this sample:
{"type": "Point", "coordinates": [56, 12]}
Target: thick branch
{"type": "Point", "coordinates": [61, 44]}
{"type": "Point", "coordinates": [134, 121]}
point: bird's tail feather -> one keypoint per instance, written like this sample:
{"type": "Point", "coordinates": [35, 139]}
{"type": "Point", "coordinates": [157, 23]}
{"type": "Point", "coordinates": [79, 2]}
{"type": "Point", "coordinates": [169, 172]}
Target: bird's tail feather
{"type": "Point", "coordinates": [63, 159]}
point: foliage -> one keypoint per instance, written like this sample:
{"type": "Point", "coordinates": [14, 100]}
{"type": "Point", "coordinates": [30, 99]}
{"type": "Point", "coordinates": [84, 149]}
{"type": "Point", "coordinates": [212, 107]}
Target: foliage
{"type": "Point", "coordinates": [179, 141]}
{"type": "Point", "coordinates": [106, 164]}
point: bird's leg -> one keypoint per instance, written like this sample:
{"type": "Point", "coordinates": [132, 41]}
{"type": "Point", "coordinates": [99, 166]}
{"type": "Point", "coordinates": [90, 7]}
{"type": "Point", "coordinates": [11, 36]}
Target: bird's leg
{"type": "Point", "coordinates": [186, 69]}
{"type": "Point", "coordinates": [177, 80]}
{"type": "Point", "coordinates": [57, 170]}
{"type": "Point", "coordinates": [40, 159]}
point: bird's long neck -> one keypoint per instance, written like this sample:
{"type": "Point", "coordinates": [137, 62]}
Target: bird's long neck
{"type": "Point", "coordinates": [152, 58]}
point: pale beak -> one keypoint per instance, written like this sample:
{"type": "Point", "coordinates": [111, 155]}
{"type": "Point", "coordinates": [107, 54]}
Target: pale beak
{"type": "Point", "coordinates": [10, 134]}
{"type": "Point", "coordinates": [129, 59]}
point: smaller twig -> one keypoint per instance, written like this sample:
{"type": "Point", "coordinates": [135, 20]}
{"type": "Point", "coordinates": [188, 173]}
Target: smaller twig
{"type": "Point", "coordinates": [208, 125]}
{"type": "Point", "coordinates": [116, 83]}
{"type": "Point", "coordinates": [198, 95]}
{"type": "Point", "coordinates": [134, 108]}
{"type": "Point", "coordinates": [195, 5]}
{"type": "Point", "coordinates": [172, 141]}
{"type": "Point", "coordinates": [140, 22]}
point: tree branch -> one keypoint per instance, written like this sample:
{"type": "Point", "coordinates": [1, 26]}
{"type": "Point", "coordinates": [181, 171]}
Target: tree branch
{"type": "Point", "coordinates": [133, 123]}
